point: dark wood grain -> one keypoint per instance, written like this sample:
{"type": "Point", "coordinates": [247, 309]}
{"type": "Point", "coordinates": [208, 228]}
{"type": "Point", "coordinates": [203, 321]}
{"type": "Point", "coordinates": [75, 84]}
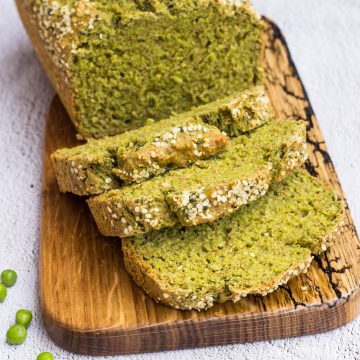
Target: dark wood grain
{"type": "Point", "coordinates": [91, 306]}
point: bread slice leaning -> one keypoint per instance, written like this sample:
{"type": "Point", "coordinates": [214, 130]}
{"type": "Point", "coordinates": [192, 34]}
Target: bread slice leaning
{"type": "Point", "coordinates": [253, 251]}
{"type": "Point", "coordinates": [209, 189]}
{"type": "Point", "coordinates": [135, 156]}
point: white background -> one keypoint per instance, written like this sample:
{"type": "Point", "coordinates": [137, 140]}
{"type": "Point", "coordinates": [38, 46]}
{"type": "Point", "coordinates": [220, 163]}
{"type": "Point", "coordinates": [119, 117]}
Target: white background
{"type": "Point", "coordinates": [324, 39]}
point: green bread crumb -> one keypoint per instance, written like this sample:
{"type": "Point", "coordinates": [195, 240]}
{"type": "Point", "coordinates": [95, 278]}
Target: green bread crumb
{"type": "Point", "coordinates": [252, 251]}
{"type": "Point", "coordinates": [129, 60]}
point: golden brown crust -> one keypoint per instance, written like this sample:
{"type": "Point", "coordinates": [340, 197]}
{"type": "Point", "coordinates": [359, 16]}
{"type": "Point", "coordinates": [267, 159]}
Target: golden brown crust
{"type": "Point", "coordinates": [136, 166]}
{"type": "Point", "coordinates": [56, 76]}
{"type": "Point", "coordinates": [144, 277]}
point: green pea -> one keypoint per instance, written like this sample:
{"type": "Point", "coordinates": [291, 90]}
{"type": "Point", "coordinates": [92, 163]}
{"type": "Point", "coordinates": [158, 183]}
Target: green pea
{"type": "Point", "coordinates": [16, 335]}
{"type": "Point", "coordinates": [8, 277]}
{"type": "Point", "coordinates": [45, 356]}
{"type": "Point", "coordinates": [3, 292]}
{"type": "Point", "coordinates": [24, 317]}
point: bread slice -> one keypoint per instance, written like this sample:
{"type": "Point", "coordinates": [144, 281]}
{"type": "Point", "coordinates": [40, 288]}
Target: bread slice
{"type": "Point", "coordinates": [135, 156]}
{"type": "Point", "coordinates": [208, 190]}
{"type": "Point", "coordinates": [253, 251]}
{"type": "Point", "coordinates": [117, 63]}
{"type": "Point", "coordinates": [140, 154]}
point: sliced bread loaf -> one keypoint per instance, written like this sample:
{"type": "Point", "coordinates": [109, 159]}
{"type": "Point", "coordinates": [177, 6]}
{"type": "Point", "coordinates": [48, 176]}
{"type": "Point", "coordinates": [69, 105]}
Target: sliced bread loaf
{"type": "Point", "coordinates": [117, 63]}
{"type": "Point", "coordinates": [208, 190]}
{"type": "Point", "coordinates": [253, 251]}
{"type": "Point", "coordinates": [140, 154]}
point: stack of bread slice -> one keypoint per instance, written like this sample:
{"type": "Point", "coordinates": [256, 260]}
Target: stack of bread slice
{"type": "Point", "coordinates": [211, 205]}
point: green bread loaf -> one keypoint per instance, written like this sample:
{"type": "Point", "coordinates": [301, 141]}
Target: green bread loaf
{"type": "Point", "coordinates": [117, 63]}
{"type": "Point", "coordinates": [209, 189]}
{"type": "Point", "coordinates": [140, 154]}
{"type": "Point", "coordinates": [253, 251]}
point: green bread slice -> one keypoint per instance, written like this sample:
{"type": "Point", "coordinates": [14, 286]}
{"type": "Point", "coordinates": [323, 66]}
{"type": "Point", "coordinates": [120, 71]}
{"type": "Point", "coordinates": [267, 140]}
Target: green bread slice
{"type": "Point", "coordinates": [253, 251]}
{"type": "Point", "coordinates": [141, 154]}
{"type": "Point", "coordinates": [117, 63]}
{"type": "Point", "coordinates": [208, 190]}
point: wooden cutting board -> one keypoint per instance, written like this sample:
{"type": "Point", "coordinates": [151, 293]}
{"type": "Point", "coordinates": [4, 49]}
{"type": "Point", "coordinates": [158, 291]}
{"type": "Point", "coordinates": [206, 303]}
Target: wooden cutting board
{"type": "Point", "coordinates": [91, 306]}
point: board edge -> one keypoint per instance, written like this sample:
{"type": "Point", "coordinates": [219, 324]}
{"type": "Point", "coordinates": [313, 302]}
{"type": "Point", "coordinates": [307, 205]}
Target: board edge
{"type": "Point", "coordinates": [199, 333]}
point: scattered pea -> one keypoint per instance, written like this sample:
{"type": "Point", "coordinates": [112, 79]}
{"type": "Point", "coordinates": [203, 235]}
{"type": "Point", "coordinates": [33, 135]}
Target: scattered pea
{"type": "Point", "coordinates": [8, 277]}
{"type": "Point", "coordinates": [16, 335]}
{"type": "Point", "coordinates": [23, 317]}
{"type": "Point", "coordinates": [45, 356]}
{"type": "Point", "coordinates": [3, 292]}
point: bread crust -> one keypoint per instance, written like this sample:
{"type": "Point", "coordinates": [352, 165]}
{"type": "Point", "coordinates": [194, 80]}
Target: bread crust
{"type": "Point", "coordinates": [56, 76]}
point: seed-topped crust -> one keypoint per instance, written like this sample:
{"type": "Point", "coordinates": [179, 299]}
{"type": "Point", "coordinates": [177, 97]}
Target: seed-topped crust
{"type": "Point", "coordinates": [136, 156]}
{"type": "Point", "coordinates": [208, 190]}
{"type": "Point", "coordinates": [246, 253]}
{"type": "Point", "coordinates": [176, 148]}
{"type": "Point", "coordinates": [207, 204]}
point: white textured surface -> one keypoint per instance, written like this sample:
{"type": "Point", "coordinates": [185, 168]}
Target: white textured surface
{"type": "Point", "coordinates": [323, 36]}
